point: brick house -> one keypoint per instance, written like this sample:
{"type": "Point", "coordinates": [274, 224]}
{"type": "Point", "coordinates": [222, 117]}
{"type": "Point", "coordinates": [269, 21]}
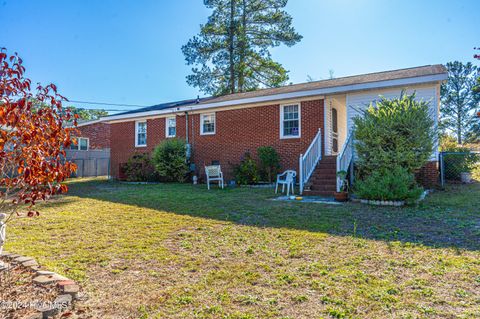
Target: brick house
{"type": "Point", "coordinates": [93, 135]}
{"type": "Point", "coordinates": [91, 153]}
{"type": "Point", "coordinates": [308, 124]}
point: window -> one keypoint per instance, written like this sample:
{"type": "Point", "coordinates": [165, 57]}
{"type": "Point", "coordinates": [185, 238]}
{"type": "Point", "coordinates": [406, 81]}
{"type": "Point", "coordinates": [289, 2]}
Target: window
{"type": "Point", "coordinates": [290, 121]}
{"type": "Point", "coordinates": [207, 125]}
{"type": "Point", "coordinates": [141, 133]}
{"type": "Point", "coordinates": [171, 126]}
{"type": "Point", "coordinates": [80, 144]}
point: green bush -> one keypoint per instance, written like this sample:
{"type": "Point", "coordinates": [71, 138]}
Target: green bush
{"type": "Point", "coordinates": [397, 132]}
{"type": "Point", "coordinates": [170, 160]}
{"type": "Point", "coordinates": [246, 173]}
{"type": "Point", "coordinates": [269, 163]}
{"type": "Point", "coordinates": [389, 184]}
{"type": "Point", "coordinates": [139, 168]}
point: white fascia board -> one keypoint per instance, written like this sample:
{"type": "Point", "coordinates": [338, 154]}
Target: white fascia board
{"type": "Point", "coordinates": [285, 96]}
{"type": "Point", "coordinates": [90, 122]}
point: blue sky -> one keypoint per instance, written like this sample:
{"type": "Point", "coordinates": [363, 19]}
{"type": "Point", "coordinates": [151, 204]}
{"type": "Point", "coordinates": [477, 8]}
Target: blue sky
{"type": "Point", "coordinates": [130, 51]}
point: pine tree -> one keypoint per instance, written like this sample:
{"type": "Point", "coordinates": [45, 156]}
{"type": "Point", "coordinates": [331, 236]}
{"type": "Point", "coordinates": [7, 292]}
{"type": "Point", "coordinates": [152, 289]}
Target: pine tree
{"type": "Point", "coordinates": [459, 101]}
{"type": "Point", "coordinates": [231, 53]}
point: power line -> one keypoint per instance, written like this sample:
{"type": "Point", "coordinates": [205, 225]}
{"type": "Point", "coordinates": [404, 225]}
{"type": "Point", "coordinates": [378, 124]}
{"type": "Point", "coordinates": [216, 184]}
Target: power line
{"type": "Point", "coordinates": [109, 104]}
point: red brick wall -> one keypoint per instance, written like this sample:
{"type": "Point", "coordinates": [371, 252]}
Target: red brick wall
{"type": "Point", "coordinates": [237, 131]}
{"type": "Point", "coordinates": [123, 141]}
{"type": "Point", "coordinates": [98, 135]}
{"type": "Point", "coordinates": [428, 176]}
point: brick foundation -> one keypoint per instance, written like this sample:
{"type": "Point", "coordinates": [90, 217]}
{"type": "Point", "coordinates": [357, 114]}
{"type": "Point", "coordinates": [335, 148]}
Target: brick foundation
{"type": "Point", "coordinates": [428, 175]}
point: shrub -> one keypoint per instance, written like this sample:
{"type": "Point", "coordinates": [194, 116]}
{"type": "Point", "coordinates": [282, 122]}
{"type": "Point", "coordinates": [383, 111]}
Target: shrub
{"type": "Point", "coordinates": [139, 168]}
{"type": "Point", "coordinates": [397, 132]}
{"type": "Point", "coordinates": [246, 173]}
{"type": "Point", "coordinates": [170, 160]}
{"type": "Point", "coordinates": [269, 163]}
{"type": "Point", "coordinates": [389, 184]}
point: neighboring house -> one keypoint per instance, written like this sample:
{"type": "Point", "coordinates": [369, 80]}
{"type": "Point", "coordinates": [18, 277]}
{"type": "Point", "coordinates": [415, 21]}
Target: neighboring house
{"type": "Point", "coordinates": [92, 135]}
{"type": "Point", "coordinates": [91, 153]}
{"type": "Point", "coordinates": [313, 119]}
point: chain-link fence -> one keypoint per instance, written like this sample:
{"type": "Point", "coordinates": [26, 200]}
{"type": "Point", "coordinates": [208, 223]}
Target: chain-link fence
{"type": "Point", "coordinates": [458, 167]}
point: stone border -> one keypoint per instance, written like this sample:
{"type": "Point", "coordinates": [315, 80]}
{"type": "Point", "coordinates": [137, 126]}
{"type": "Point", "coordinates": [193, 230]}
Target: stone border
{"type": "Point", "coordinates": [396, 203]}
{"type": "Point", "coordinates": [69, 290]}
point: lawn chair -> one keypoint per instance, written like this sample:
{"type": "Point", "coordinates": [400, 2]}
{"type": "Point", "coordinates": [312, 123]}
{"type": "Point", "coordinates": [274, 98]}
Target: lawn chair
{"type": "Point", "coordinates": [286, 178]}
{"type": "Point", "coordinates": [214, 173]}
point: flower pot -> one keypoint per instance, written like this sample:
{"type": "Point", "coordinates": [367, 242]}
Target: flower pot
{"type": "Point", "coordinates": [341, 196]}
{"type": "Point", "coordinates": [466, 177]}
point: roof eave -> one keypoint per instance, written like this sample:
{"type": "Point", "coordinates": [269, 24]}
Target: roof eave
{"type": "Point", "coordinates": [284, 96]}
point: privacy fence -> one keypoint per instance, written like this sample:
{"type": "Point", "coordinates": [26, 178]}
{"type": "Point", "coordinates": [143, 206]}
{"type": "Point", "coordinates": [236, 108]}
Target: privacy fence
{"type": "Point", "coordinates": [90, 163]}
{"type": "Point", "coordinates": [458, 167]}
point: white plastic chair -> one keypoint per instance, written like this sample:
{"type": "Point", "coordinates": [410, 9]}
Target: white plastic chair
{"type": "Point", "coordinates": [214, 173]}
{"type": "Point", "coordinates": [286, 178]}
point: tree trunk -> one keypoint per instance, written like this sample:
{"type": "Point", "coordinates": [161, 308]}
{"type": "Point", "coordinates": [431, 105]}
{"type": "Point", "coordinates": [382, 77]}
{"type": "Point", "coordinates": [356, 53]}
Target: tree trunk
{"type": "Point", "coordinates": [242, 44]}
{"type": "Point", "coordinates": [231, 46]}
{"type": "Point", "coordinates": [459, 125]}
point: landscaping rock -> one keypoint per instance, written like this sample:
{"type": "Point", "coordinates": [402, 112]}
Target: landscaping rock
{"type": "Point", "coordinates": [63, 283]}
{"type": "Point", "coordinates": [62, 302]}
{"type": "Point", "coordinates": [48, 311]}
{"type": "Point", "coordinates": [44, 272]}
{"type": "Point", "coordinates": [48, 279]}
{"type": "Point", "coordinates": [5, 254]}
{"type": "Point", "coordinates": [72, 290]}
{"type": "Point", "coordinates": [22, 259]}
{"type": "Point", "coordinates": [30, 263]}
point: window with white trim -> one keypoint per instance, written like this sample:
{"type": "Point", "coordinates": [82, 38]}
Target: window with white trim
{"type": "Point", "coordinates": [80, 144]}
{"type": "Point", "coordinates": [290, 121]}
{"type": "Point", "coordinates": [207, 124]}
{"type": "Point", "coordinates": [170, 126]}
{"type": "Point", "coordinates": [141, 133]}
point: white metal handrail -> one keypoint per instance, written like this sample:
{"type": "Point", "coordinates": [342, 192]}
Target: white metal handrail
{"type": "Point", "coordinates": [309, 161]}
{"type": "Point", "coordinates": [345, 158]}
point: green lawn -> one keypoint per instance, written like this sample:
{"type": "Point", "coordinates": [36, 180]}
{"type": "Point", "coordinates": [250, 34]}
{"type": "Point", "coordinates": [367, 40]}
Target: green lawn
{"type": "Point", "coordinates": [180, 251]}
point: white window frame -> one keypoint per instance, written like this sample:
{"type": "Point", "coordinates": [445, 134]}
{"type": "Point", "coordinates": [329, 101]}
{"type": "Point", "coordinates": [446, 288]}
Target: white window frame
{"type": "Point", "coordinates": [167, 127]}
{"type": "Point", "coordinates": [214, 124]}
{"type": "Point", "coordinates": [282, 107]}
{"type": "Point", "coordinates": [78, 143]}
{"type": "Point", "coordinates": [136, 134]}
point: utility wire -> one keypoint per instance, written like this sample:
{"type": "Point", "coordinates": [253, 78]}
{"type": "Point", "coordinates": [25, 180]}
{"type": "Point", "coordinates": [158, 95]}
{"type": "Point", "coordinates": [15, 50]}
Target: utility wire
{"type": "Point", "coordinates": [110, 104]}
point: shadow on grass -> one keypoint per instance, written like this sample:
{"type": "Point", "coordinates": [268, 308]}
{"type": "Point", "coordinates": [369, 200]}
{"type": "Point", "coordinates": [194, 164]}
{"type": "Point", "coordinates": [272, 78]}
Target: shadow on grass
{"type": "Point", "coordinates": [445, 219]}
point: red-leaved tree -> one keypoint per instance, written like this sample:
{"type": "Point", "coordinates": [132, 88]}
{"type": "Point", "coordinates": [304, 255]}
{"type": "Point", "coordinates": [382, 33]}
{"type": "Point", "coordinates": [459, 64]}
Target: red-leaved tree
{"type": "Point", "coordinates": [34, 131]}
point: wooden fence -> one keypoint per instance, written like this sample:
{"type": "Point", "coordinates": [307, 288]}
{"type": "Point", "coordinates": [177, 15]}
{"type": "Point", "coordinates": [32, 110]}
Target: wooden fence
{"type": "Point", "coordinates": [90, 163]}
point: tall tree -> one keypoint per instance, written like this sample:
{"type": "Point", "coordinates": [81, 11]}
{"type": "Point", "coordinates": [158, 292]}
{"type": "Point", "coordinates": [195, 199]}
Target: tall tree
{"type": "Point", "coordinates": [87, 114]}
{"type": "Point", "coordinates": [459, 101]}
{"type": "Point", "coordinates": [473, 135]}
{"type": "Point", "coordinates": [477, 56]}
{"type": "Point", "coordinates": [231, 53]}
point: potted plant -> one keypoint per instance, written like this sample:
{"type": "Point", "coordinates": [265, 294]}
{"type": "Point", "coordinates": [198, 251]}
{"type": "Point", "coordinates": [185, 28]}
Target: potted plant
{"type": "Point", "coordinates": [342, 195]}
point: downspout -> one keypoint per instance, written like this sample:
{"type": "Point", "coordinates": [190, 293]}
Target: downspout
{"type": "Point", "coordinates": [186, 126]}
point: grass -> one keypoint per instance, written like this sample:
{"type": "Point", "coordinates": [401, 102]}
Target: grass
{"type": "Point", "coordinates": [180, 251]}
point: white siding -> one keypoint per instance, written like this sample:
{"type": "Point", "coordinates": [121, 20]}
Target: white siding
{"type": "Point", "coordinates": [358, 102]}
